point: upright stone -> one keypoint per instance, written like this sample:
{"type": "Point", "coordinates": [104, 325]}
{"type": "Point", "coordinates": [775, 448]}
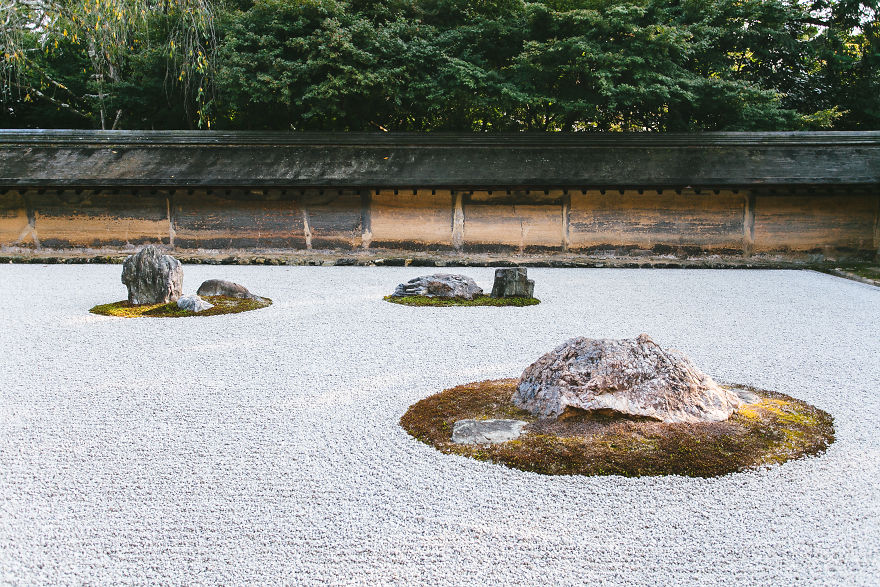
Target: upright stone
{"type": "Point", "coordinates": [152, 277]}
{"type": "Point", "coordinates": [512, 282]}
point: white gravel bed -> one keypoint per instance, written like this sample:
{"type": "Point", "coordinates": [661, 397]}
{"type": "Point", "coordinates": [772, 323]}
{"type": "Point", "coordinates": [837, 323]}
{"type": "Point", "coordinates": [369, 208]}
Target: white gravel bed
{"type": "Point", "coordinates": [263, 447]}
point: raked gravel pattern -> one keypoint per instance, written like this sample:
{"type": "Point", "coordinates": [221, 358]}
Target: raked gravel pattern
{"type": "Point", "coordinates": [263, 448]}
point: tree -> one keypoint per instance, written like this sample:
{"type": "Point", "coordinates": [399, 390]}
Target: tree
{"type": "Point", "coordinates": [106, 37]}
{"type": "Point", "coordinates": [462, 65]}
{"type": "Point", "coordinates": [845, 86]}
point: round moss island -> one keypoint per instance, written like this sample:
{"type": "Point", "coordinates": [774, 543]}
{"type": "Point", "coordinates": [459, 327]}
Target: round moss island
{"type": "Point", "coordinates": [512, 288]}
{"type": "Point", "coordinates": [222, 305]}
{"type": "Point", "coordinates": [770, 428]}
{"type": "Point", "coordinates": [477, 301]}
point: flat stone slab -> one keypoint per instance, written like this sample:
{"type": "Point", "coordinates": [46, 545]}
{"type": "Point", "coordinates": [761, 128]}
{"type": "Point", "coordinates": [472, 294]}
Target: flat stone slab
{"type": "Point", "coordinates": [486, 431]}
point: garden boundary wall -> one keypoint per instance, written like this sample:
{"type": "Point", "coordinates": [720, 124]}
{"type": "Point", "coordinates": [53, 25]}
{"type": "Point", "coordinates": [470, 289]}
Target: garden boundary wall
{"type": "Point", "coordinates": [785, 196]}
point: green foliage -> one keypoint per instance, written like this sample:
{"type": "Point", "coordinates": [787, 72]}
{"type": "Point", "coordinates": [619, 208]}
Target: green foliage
{"type": "Point", "coordinates": [102, 60]}
{"type": "Point", "coordinates": [846, 76]}
{"type": "Point", "coordinates": [456, 65]}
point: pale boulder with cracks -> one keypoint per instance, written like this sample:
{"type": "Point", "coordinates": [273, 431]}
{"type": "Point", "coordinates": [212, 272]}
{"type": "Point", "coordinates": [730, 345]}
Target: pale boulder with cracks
{"type": "Point", "coordinates": [632, 377]}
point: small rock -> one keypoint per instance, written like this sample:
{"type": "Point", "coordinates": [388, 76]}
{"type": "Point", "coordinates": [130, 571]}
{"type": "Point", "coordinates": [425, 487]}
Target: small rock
{"type": "Point", "coordinates": [193, 303]}
{"type": "Point", "coordinates": [152, 277]}
{"type": "Point", "coordinates": [222, 287]}
{"type": "Point", "coordinates": [439, 285]}
{"type": "Point", "coordinates": [486, 431]}
{"type": "Point", "coordinates": [632, 377]}
{"type": "Point", "coordinates": [512, 282]}
{"type": "Point", "coordinates": [747, 397]}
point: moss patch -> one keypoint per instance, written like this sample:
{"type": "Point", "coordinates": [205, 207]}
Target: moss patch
{"type": "Point", "coordinates": [867, 271]}
{"type": "Point", "coordinates": [477, 301]}
{"type": "Point", "coordinates": [773, 430]}
{"type": "Point", "coordinates": [222, 305]}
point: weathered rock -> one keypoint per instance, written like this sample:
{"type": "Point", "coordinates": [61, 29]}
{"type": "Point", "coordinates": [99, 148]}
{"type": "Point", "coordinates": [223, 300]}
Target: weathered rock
{"type": "Point", "coordinates": [152, 277]}
{"type": "Point", "coordinates": [439, 285]}
{"type": "Point", "coordinates": [222, 287]}
{"type": "Point", "coordinates": [747, 396]}
{"type": "Point", "coordinates": [512, 282]}
{"type": "Point", "coordinates": [633, 377]}
{"type": "Point", "coordinates": [194, 303]}
{"type": "Point", "coordinates": [486, 431]}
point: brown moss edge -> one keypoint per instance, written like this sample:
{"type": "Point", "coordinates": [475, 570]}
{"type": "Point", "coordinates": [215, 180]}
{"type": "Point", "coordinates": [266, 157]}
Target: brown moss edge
{"type": "Point", "coordinates": [777, 429]}
{"type": "Point", "coordinates": [477, 301]}
{"type": "Point", "coordinates": [222, 305]}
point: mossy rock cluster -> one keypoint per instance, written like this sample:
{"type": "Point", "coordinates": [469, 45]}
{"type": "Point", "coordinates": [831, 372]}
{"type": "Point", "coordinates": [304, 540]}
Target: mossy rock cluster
{"type": "Point", "coordinates": [773, 430]}
{"type": "Point", "coordinates": [222, 305]}
{"type": "Point", "coordinates": [477, 301]}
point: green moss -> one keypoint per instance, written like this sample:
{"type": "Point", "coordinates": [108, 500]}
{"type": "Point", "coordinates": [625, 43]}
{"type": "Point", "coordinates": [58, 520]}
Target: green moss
{"type": "Point", "coordinates": [869, 271]}
{"type": "Point", "coordinates": [477, 301]}
{"type": "Point", "coordinates": [222, 305]}
{"type": "Point", "coordinates": [774, 430]}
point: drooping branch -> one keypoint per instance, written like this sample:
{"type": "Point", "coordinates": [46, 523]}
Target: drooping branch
{"type": "Point", "coordinates": [108, 33]}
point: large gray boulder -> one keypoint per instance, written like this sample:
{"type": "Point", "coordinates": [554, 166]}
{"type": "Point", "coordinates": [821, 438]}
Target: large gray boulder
{"type": "Point", "coordinates": [512, 282]}
{"type": "Point", "coordinates": [222, 287]}
{"type": "Point", "coordinates": [152, 277]}
{"type": "Point", "coordinates": [633, 377]}
{"type": "Point", "coordinates": [486, 431]}
{"type": "Point", "coordinates": [439, 285]}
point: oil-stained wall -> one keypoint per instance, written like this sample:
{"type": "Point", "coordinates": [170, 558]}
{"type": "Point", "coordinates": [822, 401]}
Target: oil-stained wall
{"type": "Point", "coordinates": [237, 219]}
{"type": "Point", "coordinates": [709, 220]}
{"type": "Point", "coordinates": [335, 218]}
{"type": "Point", "coordinates": [411, 218]}
{"type": "Point", "coordinates": [815, 222]}
{"type": "Point", "coordinates": [15, 227]}
{"type": "Point", "coordinates": [83, 218]}
{"type": "Point", "coordinates": [521, 220]}
{"type": "Point", "coordinates": [725, 221]}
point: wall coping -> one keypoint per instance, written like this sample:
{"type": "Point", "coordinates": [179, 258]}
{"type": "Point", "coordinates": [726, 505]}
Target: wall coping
{"type": "Point", "coordinates": [89, 159]}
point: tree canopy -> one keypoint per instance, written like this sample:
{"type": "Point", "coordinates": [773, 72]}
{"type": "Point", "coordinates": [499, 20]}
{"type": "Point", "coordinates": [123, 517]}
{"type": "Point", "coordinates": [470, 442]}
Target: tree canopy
{"type": "Point", "coordinates": [432, 65]}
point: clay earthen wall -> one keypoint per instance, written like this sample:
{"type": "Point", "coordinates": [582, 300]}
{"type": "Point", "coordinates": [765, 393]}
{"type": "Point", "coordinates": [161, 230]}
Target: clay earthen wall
{"type": "Point", "coordinates": [725, 221]}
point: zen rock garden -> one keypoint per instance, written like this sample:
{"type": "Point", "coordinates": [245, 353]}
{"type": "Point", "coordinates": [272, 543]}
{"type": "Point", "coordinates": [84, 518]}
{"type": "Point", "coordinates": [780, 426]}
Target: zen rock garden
{"type": "Point", "coordinates": [588, 407]}
{"type": "Point", "coordinates": [624, 407]}
{"type": "Point", "coordinates": [155, 285]}
{"type": "Point", "coordinates": [556, 427]}
{"type": "Point", "coordinates": [511, 287]}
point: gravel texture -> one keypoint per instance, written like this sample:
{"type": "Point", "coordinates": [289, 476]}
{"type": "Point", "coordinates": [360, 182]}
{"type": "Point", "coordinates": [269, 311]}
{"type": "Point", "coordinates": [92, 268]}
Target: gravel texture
{"type": "Point", "coordinates": [264, 448]}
